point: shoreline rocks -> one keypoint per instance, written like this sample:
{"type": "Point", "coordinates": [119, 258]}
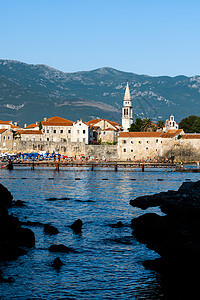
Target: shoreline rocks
{"type": "Point", "coordinates": [174, 236]}
{"type": "Point", "coordinates": [12, 235]}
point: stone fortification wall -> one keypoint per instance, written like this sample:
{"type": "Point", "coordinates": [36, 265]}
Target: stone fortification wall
{"type": "Point", "coordinates": [183, 150]}
{"type": "Point", "coordinates": [174, 150]}
{"type": "Point", "coordinates": [107, 151]}
{"type": "Point", "coordinates": [69, 149]}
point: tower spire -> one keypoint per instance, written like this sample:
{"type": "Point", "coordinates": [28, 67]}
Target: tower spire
{"type": "Point", "coordinates": [127, 109]}
{"type": "Point", "coordinates": [127, 95]}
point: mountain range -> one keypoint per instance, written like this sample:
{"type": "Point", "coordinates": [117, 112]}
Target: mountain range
{"type": "Point", "coordinates": [28, 93]}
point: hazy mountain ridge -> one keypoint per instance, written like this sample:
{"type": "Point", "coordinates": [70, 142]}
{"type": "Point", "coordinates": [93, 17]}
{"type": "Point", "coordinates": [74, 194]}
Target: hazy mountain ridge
{"type": "Point", "coordinates": [31, 92]}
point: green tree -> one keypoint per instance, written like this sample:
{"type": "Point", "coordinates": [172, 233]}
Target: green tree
{"type": "Point", "coordinates": [146, 125]}
{"type": "Point", "coordinates": [40, 125]}
{"type": "Point", "coordinates": [190, 124]}
{"type": "Point", "coordinates": [136, 126]}
{"type": "Point", "coordinates": [160, 124]}
{"type": "Point", "coordinates": [196, 126]}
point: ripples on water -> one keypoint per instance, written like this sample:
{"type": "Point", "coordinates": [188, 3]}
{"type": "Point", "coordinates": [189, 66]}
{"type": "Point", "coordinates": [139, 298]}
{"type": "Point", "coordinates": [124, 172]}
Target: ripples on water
{"type": "Point", "coordinates": [108, 264]}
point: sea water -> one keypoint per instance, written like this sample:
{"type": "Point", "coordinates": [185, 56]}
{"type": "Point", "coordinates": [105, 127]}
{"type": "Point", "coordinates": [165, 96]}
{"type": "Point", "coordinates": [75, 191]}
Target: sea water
{"type": "Point", "coordinates": [108, 262]}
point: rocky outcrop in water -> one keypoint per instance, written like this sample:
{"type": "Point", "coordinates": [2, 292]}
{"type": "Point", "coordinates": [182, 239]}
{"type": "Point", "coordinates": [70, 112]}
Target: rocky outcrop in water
{"type": "Point", "coordinates": [77, 226]}
{"type": "Point", "coordinates": [50, 229]}
{"type": "Point", "coordinates": [61, 248]}
{"type": "Point", "coordinates": [175, 236]}
{"type": "Point", "coordinates": [12, 235]}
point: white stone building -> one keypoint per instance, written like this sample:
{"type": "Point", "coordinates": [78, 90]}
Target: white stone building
{"type": "Point", "coordinates": [81, 132]}
{"type": "Point", "coordinates": [145, 145]}
{"type": "Point", "coordinates": [171, 124]}
{"type": "Point", "coordinates": [57, 129]}
{"type": "Point", "coordinates": [127, 110]}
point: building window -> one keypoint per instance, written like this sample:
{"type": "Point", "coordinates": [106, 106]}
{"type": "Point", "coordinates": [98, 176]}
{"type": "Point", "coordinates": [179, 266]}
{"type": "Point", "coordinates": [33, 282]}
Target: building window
{"type": "Point", "coordinates": [156, 141]}
{"type": "Point", "coordinates": [4, 137]}
{"type": "Point", "coordinates": [47, 139]}
{"type": "Point", "coordinates": [139, 142]}
{"type": "Point", "coordinates": [47, 130]}
{"type": "Point", "coordinates": [77, 131]}
{"type": "Point", "coordinates": [54, 131]}
{"type": "Point", "coordinates": [61, 131]}
{"type": "Point", "coordinates": [124, 142]}
{"type": "Point", "coordinates": [147, 149]}
{"type": "Point", "coordinates": [147, 142]}
{"type": "Point", "coordinates": [132, 142]}
{"type": "Point", "coordinates": [9, 138]}
{"type": "Point", "coordinates": [124, 149]}
{"type": "Point", "coordinates": [83, 131]}
{"type": "Point", "coordinates": [104, 133]}
{"type": "Point", "coordinates": [131, 150]}
{"type": "Point", "coordinates": [84, 140]}
{"type": "Point", "coordinates": [44, 130]}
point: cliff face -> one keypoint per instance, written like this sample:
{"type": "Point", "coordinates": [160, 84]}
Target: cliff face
{"type": "Point", "coordinates": [175, 236]}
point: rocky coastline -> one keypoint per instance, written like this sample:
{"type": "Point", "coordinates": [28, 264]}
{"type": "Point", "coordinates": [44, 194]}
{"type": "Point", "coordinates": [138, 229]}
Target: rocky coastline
{"type": "Point", "coordinates": [14, 239]}
{"type": "Point", "coordinates": [175, 236]}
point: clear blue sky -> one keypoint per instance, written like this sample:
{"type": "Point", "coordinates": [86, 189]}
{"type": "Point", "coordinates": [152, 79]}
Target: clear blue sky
{"type": "Point", "coordinates": [153, 37]}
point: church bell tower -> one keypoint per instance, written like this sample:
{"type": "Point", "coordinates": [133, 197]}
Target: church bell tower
{"type": "Point", "coordinates": [127, 110]}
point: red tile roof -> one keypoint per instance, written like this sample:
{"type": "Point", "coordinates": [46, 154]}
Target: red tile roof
{"type": "Point", "coordinates": [30, 132]}
{"type": "Point", "coordinates": [57, 121]}
{"type": "Point", "coordinates": [171, 133]}
{"type": "Point", "coordinates": [191, 136]}
{"type": "Point", "coordinates": [140, 134]}
{"type": "Point", "coordinates": [32, 126]}
{"type": "Point", "coordinates": [2, 130]}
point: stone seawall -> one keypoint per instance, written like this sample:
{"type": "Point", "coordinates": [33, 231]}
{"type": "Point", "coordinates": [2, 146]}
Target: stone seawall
{"type": "Point", "coordinates": [69, 149]}
{"type": "Point", "coordinates": [176, 151]}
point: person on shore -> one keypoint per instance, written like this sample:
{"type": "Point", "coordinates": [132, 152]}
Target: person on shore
{"type": "Point", "coordinates": [197, 164]}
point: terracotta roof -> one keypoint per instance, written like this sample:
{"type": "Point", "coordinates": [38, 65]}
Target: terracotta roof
{"type": "Point", "coordinates": [30, 132]}
{"type": "Point", "coordinates": [191, 136]}
{"type": "Point", "coordinates": [32, 126]}
{"type": "Point", "coordinates": [57, 121]}
{"type": "Point", "coordinates": [171, 133]}
{"type": "Point", "coordinates": [2, 130]}
{"type": "Point", "coordinates": [6, 122]}
{"type": "Point", "coordinates": [140, 134]}
{"type": "Point", "coordinates": [94, 121]}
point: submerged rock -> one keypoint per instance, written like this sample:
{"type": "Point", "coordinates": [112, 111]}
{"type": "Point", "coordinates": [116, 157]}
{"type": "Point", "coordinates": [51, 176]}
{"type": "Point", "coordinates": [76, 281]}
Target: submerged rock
{"type": "Point", "coordinates": [77, 226]}
{"type": "Point", "coordinates": [50, 229]}
{"type": "Point", "coordinates": [117, 225]}
{"type": "Point", "coordinates": [57, 263]}
{"type": "Point", "coordinates": [61, 248]}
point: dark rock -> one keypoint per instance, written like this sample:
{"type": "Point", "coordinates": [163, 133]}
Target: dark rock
{"type": "Point", "coordinates": [175, 236]}
{"type": "Point", "coordinates": [61, 248]}
{"type": "Point", "coordinates": [51, 199]}
{"type": "Point", "coordinates": [77, 226]}
{"type": "Point", "coordinates": [50, 229]}
{"type": "Point", "coordinates": [5, 196]}
{"type": "Point", "coordinates": [19, 203]}
{"type": "Point", "coordinates": [12, 235]}
{"type": "Point", "coordinates": [57, 263]}
{"type": "Point", "coordinates": [117, 225]}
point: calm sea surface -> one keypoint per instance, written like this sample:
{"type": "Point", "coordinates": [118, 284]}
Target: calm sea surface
{"type": "Point", "coordinates": [108, 264]}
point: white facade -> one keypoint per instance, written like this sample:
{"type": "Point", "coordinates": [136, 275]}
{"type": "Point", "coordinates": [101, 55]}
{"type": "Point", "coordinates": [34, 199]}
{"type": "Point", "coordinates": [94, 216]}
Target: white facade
{"type": "Point", "coordinates": [80, 133]}
{"type": "Point", "coordinates": [170, 124]}
{"type": "Point", "coordinates": [127, 110]}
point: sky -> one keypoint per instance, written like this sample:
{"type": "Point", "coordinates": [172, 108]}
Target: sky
{"type": "Point", "coordinates": [152, 37]}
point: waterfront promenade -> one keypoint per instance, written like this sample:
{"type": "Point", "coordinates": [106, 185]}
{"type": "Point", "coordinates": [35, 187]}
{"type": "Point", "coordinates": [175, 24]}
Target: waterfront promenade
{"type": "Point", "coordinates": [92, 165]}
